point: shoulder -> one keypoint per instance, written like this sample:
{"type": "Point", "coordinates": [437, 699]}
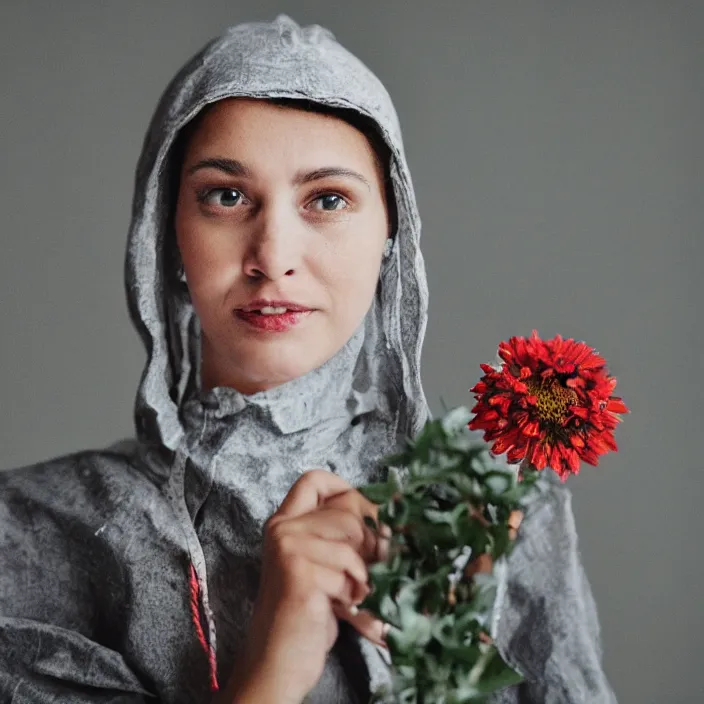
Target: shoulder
{"type": "Point", "coordinates": [79, 483]}
{"type": "Point", "coordinates": [69, 530]}
{"type": "Point", "coordinates": [61, 508]}
{"type": "Point", "coordinates": [549, 625]}
{"type": "Point", "coordinates": [548, 534]}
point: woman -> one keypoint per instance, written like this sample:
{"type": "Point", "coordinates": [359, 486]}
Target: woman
{"type": "Point", "coordinates": [274, 274]}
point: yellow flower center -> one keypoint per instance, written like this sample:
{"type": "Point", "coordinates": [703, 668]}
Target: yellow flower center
{"type": "Point", "coordinates": [553, 399]}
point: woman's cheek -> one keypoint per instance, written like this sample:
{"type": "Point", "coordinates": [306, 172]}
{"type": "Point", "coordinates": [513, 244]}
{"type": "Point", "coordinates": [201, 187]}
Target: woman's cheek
{"type": "Point", "coordinates": [354, 259]}
{"type": "Point", "coordinates": [215, 261]}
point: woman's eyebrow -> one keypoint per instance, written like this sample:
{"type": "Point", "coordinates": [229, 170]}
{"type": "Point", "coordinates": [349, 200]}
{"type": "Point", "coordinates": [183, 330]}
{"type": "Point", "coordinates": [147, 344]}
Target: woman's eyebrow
{"type": "Point", "coordinates": [232, 167]}
{"type": "Point", "coordinates": [326, 172]}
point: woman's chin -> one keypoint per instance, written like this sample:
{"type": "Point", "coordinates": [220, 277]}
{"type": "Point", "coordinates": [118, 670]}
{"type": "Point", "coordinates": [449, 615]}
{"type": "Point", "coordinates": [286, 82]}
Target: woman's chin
{"type": "Point", "coordinates": [265, 377]}
{"type": "Point", "coordinates": [261, 367]}
{"type": "Point", "coordinates": [273, 365]}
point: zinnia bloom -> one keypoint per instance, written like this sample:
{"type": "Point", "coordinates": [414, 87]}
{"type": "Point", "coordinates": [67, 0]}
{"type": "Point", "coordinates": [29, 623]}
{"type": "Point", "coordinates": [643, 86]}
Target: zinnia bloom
{"type": "Point", "coordinates": [548, 405]}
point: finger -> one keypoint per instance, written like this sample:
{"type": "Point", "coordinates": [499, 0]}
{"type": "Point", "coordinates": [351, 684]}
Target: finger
{"type": "Point", "coordinates": [383, 542]}
{"type": "Point", "coordinates": [314, 487]}
{"type": "Point", "coordinates": [334, 525]}
{"type": "Point", "coordinates": [336, 585]}
{"type": "Point", "coordinates": [328, 524]}
{"type": "Point", "coordinates": [375, 546]}
{"type": "Point", "coordinates": [514, 523]}
{"type": "Point", "coordinates": [481, 563]}
{"type": "Point", "coordinates": [355, 502]}
{"type": "Point", "coordinates": [365, 623]}
{"type": "Point", "coordinates": [336, 555]}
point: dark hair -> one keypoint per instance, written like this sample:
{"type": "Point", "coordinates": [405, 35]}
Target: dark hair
{"type": "Point", "coordinates": [364, 124]}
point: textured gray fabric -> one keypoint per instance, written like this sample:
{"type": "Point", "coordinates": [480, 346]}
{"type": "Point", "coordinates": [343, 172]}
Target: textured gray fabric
{"type": "Point", "coordinates": [96, 547]}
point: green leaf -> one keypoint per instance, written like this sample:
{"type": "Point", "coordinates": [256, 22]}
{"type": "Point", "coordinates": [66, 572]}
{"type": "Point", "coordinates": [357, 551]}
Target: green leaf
{"type": "Point", "coordinates": [501, 538]}
{"type": "Point", "coordinates": [437, 656]}
{"type": "Point", "coordinates": [498, 482]}
{"type": "Point", "coordinates": [398, 512]}
{"type": "Point", "coordinates": [503, 677]}
{"type": "Point", "coordinates": [456, 420]}
{"type": "Point", "coordinates": [377, 493]}
{"type": "Point", "coordinates": [449, 518]}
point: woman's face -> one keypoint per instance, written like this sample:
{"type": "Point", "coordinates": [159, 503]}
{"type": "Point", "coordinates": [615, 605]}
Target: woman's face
{"type": "Point", "coordinates": [279, 206]}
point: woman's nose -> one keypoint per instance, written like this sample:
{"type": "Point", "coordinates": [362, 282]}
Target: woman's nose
{"type": "Point", "coordinates": [275, 249]}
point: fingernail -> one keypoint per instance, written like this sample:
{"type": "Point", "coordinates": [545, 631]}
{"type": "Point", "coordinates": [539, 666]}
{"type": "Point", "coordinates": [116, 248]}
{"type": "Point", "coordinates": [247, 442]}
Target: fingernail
{"type": "Point", "coordinates": [385, 628]}
{"type": "Point", "coordinates": [362, 594]}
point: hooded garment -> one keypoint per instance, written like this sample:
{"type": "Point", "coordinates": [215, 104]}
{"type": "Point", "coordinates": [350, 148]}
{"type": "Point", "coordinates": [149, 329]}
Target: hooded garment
{"type": "Point", "coordinates": [128, 574]}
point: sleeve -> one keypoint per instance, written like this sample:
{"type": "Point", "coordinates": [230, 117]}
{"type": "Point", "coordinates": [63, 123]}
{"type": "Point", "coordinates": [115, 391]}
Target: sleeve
{"type": "Point", "coordinates": [42, 663]}
{"type": "Point", "coordinates": [46, 652]}
{"type": "Point", "coordinates": [549, 627]}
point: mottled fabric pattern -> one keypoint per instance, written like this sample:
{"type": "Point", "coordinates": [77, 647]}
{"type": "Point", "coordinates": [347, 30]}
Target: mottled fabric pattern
{"type": "Point", "coordinates": [96, 548]}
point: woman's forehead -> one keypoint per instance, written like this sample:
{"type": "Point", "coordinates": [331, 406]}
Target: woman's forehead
{"type": "Point", "coordinates": [256, 129]}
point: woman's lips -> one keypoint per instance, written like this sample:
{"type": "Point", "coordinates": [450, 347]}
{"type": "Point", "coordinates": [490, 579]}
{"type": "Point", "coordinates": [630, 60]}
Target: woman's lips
{"type": "Point", "coordinates": [278, 322]}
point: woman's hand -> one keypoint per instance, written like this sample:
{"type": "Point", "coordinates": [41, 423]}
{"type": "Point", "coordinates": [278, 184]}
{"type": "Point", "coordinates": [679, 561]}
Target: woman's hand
{"type": "Point", "coordinates": [314, 571]}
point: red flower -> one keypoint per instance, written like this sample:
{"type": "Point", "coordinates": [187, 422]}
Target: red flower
{"type": "Point", "coordinates": [549, 404]}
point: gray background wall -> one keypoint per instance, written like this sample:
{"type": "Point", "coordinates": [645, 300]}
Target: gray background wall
{"type": "Point", "coordinates": [557, 153]}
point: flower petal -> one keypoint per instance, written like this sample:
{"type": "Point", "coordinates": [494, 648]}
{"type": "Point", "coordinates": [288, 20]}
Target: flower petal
{"type": "Point", "coordinates": [616, 405]}
{"type": "Point", "coordinates": [501, 445]}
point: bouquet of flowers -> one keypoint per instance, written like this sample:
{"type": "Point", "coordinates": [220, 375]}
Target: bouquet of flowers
{"type": "Point", "coordinates": [454, 510]}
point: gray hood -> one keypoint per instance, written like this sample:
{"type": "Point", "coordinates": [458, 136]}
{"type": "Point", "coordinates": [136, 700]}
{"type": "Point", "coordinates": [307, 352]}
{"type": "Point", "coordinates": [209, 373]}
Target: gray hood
{"type": "Point", "coordinates": [268, 60]}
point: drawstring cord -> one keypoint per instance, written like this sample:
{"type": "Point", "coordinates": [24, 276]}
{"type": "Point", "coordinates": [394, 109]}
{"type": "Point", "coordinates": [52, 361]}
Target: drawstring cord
{"type": "Point", "coordinates": [195, 614]}
{"type": "Point", "coordinates": [198, 586]}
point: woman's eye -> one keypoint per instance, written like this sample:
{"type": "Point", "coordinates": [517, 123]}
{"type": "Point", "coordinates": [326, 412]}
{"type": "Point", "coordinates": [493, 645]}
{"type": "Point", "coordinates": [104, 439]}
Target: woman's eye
{"type": "Point", "coordinates": [330, 201]}
{"type": "Point", "coordinates": [223, 197]}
